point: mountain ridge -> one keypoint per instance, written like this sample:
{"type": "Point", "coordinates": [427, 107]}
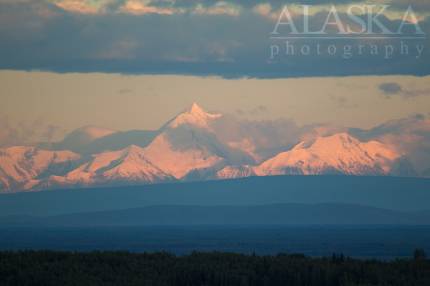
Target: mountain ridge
{"type": "Point", "coordinates": [270, 214]}
{"type": "Point", "coordinates": [397, 193]}
{"type": "Point", "coordinates": [192, 146]}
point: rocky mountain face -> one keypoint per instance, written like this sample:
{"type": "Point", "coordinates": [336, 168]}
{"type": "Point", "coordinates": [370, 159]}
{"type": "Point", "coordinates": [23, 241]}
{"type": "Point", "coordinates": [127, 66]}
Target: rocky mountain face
{"type": "Point", "coordinates": [198, 145]}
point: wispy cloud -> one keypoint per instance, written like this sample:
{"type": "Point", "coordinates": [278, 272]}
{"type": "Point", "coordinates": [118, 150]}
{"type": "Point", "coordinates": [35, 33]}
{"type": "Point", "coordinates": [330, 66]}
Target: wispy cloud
{"type": "Point", "coordinates": [142, 7]}
{"type": "Point", "coordinates": [256, 111]}
{"type": "Point", "coordinates": [219, 8]}
{"type": "Point", "coordinates": [392, 89]}
{"type": "Point", "coordinates": [27, 132]}
{"type": "Point", "coordinates": [342, 101]}
{"type": "Point", "coordinates": [83, 6]}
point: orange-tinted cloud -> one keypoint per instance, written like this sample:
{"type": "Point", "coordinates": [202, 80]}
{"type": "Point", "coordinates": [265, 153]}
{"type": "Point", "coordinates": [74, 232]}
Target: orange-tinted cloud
{"type": "Point", "coordinates": [142, 7]}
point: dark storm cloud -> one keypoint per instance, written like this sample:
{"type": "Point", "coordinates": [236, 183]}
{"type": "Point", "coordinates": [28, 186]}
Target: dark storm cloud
{"type": "Point", "coordinates": [40, 35]}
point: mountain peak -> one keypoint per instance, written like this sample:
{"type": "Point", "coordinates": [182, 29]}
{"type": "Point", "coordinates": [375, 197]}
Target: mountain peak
{"type": "Point", "coordinates": [338, 140]}
{"type": "Point", "coordinates": [337, 153]}
{"type": "Point", "coordinates": [195, 115]}
{"type": "Point", "coordinates": [196, 109]}
{"type": "Point", "coordinates": [92, 132]}
{"type": "Point", "coordinates": [81, 137]}
{"type": "Point", "coordinates": [132, 150]}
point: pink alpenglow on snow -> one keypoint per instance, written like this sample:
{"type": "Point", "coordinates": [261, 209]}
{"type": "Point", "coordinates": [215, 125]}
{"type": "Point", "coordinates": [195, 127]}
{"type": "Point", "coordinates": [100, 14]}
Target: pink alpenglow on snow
{"type": "Point", "coordinates": [189, 147]}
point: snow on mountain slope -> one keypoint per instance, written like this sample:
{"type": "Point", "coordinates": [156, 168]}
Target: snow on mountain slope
{"type": "Point", "coordinates": [339, 153]}
{"type": "Point", "coordinates": [178, 161]}
{"type": "Point", "coordinates": [197, 145]}
{"type": "Point", "coordinates": [195, 116]}
{"type": "Point", "coordinates": [187, 143]}
{"type": "Point", "coordinates": [22, 165]}
{"type": "Point", "coordinates": [127, 165]}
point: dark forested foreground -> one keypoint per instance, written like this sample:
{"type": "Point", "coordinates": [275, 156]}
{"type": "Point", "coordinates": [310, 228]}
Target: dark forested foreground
{"type": "Point", "coordinates": [123, 268]}
{"type": "Point", "coordinates": [380, 242]}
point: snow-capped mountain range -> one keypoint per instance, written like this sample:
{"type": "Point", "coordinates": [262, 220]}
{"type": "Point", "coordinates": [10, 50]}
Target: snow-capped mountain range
{"type": "Point", "coordinates": [198, 145]}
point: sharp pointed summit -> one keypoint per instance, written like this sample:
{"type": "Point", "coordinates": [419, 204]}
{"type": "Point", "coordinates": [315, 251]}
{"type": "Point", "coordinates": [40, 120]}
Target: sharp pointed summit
{"type": "Point", "coordinates": [196, 109]}
{"type": "Point", "coordinates": [188, 143]}
{"type": "Point", "coordinates": [196, 116]}
{"type": "Point", "coordinates": [199, 145]}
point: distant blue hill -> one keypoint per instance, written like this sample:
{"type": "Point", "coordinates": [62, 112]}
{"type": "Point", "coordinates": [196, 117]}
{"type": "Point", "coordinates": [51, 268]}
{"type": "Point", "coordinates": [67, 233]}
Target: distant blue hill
{"type": "Point", "coordinates": [400, 194]}
{"type": "Point", "coordinates": [278, 214]}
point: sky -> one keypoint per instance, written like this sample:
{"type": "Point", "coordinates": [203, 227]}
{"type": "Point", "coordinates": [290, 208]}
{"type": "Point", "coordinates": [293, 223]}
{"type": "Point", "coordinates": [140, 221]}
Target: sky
{"type": "Point", "coordinates": [134, 64]}
{"type": "Point", "coordinates": [45, 102]}
{"type": "Point", "coordinates": [203, 37]}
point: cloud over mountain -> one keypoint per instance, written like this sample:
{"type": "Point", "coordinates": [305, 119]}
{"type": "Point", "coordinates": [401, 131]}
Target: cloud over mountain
{"type": "Point", "coordinates": [198, 145]}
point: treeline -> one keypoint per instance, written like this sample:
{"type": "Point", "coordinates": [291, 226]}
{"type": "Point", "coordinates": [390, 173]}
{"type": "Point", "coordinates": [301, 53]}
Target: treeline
{"type": "Point", "coordinates": [198, 269]}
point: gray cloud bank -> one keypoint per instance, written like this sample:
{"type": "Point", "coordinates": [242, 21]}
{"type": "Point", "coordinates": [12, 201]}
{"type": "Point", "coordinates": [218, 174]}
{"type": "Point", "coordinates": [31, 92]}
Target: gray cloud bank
{"type": "Point", "coordinates": [228, 38]}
